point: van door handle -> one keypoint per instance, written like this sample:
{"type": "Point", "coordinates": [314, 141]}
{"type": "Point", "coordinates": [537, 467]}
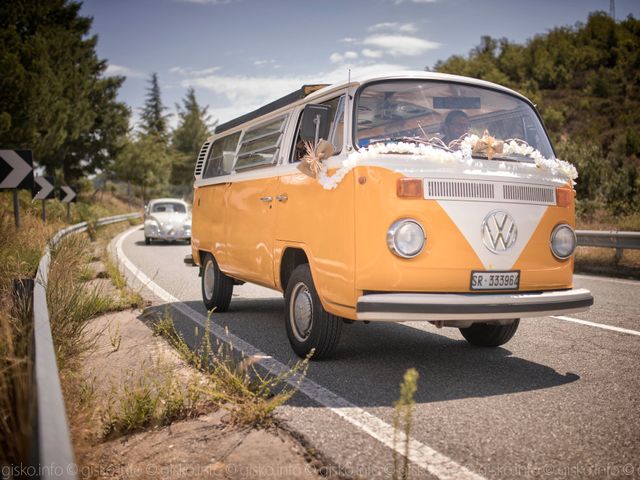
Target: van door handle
{"type": "Point", "coordinates": [266, 199]}
{"type": "Point", "coordinates": [282, 198]}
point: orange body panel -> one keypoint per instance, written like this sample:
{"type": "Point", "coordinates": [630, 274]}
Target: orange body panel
{"type": "Point", "coordinates": [248, 233]}
{"type": "Point", "coordinates": [446, 263]}
{"type": "Point", "coordinates": [321, 222]}
{"type": "Point", "coordinates": [208, 221]}
{"type": "Point", "coordinates": [343, 234]}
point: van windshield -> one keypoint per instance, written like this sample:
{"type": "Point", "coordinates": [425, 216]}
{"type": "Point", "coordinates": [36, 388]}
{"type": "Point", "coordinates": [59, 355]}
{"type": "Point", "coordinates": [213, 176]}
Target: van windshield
{"type": "Point", "coordinates": [443, 113]}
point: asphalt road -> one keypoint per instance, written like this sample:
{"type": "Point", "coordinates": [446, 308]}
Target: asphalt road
{"type": "Point", "coordinates": [560, 400]}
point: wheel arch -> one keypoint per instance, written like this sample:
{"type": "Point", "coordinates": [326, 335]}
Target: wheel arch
{"type": "Point", "coordinates": [291, 258]}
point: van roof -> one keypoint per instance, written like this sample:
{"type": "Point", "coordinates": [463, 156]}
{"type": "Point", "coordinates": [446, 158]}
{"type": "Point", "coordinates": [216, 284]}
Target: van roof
{"type": "Point", "coordinates": [302, 92]}
{"type": "Point", "coordinates": [312, 89]}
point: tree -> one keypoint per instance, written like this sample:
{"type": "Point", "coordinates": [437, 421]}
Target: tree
{"type": "Point", "coordinates": [146, 163]}
{"type": "Point", "coordinates": [154, 120]}
{"type": "Point", "coordinates": [193, 129]}
{"type": "Point", "coordinates": [54, 98]}
{"type": "Point", "coordinates": [585, 82]}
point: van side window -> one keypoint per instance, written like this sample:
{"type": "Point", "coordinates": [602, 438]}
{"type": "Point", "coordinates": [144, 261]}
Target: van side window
{"type": "Point", "coordinates": [336, 129]}
{"type": "Point", "coordinates": [221, 156]}
{"type": "Point", "coordinates": [260, 144]}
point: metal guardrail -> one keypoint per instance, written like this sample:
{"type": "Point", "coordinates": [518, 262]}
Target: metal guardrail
{"type": "Point", "coordinates": [51, 442]}
{"type": "Point", "coordinates": [609, 239]}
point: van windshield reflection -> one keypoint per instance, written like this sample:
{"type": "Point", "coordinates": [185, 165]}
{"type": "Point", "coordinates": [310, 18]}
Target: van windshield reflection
{"type": "Point", "coordinates": [442, 114]}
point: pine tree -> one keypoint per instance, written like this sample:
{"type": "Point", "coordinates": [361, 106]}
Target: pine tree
{"type": "Point", "coordinates": [154, 121]}
{"type": "Point", "coordinates": [146, 163]}
{"type": "Point", "coordinates": [193, 129]}
{"type": "Point", "coordinates": [54, 98]}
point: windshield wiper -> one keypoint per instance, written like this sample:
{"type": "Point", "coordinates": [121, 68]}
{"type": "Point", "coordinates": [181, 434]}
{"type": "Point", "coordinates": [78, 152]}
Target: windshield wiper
{"type": "Point", "coordinates": [400, 139]}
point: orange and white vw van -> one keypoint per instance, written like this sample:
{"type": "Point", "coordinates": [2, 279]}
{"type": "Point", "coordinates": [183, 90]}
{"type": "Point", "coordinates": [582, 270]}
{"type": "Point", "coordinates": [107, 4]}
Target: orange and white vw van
{"type": "Point", "coordinates": [436, 198]}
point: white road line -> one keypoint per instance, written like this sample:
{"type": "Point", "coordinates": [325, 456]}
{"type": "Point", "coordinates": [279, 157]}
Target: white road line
{"type": "Point", "coordinates": [597, 325]}
{"type": "Point", "coordinates": [420, 454]}
{"type": "Point", "coordinates": [608, 279]}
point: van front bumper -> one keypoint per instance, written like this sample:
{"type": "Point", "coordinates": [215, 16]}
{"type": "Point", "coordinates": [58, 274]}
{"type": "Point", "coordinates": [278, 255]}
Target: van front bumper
{"type": "Point", "coordinates": [403, 307]}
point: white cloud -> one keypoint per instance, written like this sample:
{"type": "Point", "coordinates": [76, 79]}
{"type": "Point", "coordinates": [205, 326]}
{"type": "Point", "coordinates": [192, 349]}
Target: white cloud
{"type": "Point", "coordinates": [184, 71]}
{"type": "Point", "coordinates": [398, 2]}
{"type": "Point", "coordinates": [246, 93]}
{"type": "Point", "coordinates": [397, 45]}
{"type": "Point", "coordinates": [113, 70]}
{"type": "Point", "coordinates": [394, 26]}
{"type": "Point", "coordinates": [208, 2]}
{"type": "Point", "coordinates": [341, 57]}
{"type": "Point", "coordinates": [262, 63]}
{"type": "Point", "coordinates": [367, 52]}
{"type": "Point", "coordinates": [348, 40]}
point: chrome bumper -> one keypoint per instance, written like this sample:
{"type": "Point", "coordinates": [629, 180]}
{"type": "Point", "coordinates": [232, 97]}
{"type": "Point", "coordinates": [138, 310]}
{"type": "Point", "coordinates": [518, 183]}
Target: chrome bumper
{"type": "Point", "coordinates": [403, 307]}
{"type": "Point", "coordinates": [169, 234]}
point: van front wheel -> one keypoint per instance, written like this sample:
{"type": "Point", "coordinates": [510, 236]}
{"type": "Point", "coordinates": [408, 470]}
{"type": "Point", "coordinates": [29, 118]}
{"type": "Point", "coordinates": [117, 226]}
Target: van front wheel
{"type": "Point", "coordinates": [490, 334]}
{"type": "Point", "coordinates": [217, 288]}
{"type": "Point", "coordinates": [309, 325]}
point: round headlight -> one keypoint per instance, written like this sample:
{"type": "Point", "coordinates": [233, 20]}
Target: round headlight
{"type": "Point", "coordinates": [406, 238]}
{"type": "Point", "coordinates": [563, 241]}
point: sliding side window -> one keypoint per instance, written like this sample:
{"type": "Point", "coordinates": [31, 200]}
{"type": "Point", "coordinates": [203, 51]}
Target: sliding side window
{"type": "Point", "coordinates": [222, 156]}
{"type": "Point", "coordinates": [261, 144]}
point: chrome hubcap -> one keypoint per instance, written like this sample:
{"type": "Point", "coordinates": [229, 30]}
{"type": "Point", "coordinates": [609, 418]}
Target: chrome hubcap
{"type": "Point", "coordinates": [208, 279]}
{"type": "Point", "coordinates": [301, 312]}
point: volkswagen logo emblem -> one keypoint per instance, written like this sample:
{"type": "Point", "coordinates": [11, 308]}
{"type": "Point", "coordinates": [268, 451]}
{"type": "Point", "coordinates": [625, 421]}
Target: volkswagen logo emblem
{"type": "Point", "coordinates": [499, 231]}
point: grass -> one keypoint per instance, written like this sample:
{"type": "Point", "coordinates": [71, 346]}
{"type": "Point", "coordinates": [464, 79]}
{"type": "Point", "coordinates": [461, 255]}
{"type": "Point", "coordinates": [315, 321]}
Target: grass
{"type": "Point", "coordinates": [20, 253]}
{"type": "Point", "coordinates": [151, 397]}
{"type": "Point", "coordinates": [402, 422]}
{"type": "Point", "coordinates": [235, 383]}
{"type": "Point", "coordinates": [71, 303]}
{"type": "Point", "coordinates": [602, 219]}
{"type": "Point", "coordinates": [603, 261]}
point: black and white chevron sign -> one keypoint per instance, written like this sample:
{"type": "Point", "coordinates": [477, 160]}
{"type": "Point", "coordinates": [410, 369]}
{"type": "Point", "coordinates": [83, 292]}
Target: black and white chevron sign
{"type": "Point", "coordinates": [69, 194]}
{"type": "Point", "coordinates": [16, 169]}
{"type": "Point", "coordinates": [44, 189]}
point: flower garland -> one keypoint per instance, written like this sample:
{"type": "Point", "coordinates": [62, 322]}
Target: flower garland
{"type": "Point", "coordinates": [437, 152]}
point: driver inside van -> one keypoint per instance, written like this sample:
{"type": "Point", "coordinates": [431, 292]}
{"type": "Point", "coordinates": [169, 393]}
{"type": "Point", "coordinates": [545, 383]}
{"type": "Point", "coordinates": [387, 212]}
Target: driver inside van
{"type": "Point", "coordinates": [455, 126]}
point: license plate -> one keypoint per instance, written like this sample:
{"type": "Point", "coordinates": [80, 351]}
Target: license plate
{"type": "Point", "coordinates": [495, 280]}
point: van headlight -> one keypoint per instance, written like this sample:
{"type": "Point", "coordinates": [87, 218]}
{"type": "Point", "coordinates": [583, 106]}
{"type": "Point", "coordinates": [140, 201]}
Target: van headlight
{"type": "Point", "coordinates": [563, 241]}
{"type": "Point", "coordinates": [406, 238]}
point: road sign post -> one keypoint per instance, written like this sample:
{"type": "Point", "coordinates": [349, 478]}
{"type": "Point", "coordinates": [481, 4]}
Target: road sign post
{"type": "Point", "coordinates": [16, 173]}
{"type": "Point", "coordinates": [69, 196]}
{"type": "Point", "coordinates": [16, 208]}
{"type": "Point", "coordinates": [44, 191]}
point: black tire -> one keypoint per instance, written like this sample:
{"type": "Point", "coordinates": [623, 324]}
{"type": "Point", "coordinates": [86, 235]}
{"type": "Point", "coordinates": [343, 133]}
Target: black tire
{"type": "Point", "coordinates": [320, 331]}
{"type": "Point", "coordinates": [490, 334]}
{"type": "Point", "coordinates": [217, 288]}
{"type": "Point", "coordinates": [147, 240]}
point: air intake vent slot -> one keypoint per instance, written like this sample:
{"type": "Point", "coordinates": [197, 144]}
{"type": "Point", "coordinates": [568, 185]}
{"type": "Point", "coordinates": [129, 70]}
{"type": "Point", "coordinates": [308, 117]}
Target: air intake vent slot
{"type": "Point", "coordinates": [447, 189]}
{"type": "Point", "coordinates": [482, 191]}
{"type": "Point", "coordinates": [529, 194]}
{"type": "Point", "coordinates": [202, 156]}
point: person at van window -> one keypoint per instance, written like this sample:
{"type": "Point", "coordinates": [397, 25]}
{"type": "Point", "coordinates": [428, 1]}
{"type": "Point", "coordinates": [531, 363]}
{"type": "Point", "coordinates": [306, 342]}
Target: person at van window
{"type": "Point", "coordinates": [456, 124]}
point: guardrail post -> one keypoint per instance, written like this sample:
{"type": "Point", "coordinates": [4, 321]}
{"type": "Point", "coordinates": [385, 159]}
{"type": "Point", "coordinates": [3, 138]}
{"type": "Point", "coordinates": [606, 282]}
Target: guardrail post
{"type": "Point", "coordinates": [618, 256]}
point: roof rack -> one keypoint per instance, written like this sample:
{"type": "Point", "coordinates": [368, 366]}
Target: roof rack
{"type": "Point", "coordinates": [270, 107]}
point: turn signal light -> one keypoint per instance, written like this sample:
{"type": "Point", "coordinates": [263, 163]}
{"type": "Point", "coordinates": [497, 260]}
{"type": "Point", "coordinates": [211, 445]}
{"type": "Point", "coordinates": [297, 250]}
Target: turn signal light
{"type": "Point", "coordinates": [564, 197]}
{"type": "Point", "coordinates": [409, 188]}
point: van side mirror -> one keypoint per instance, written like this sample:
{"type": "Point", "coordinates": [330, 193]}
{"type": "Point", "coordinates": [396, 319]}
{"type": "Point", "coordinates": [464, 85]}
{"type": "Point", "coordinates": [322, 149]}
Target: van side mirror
{"type": "Point", "coordinates": [315, 123]}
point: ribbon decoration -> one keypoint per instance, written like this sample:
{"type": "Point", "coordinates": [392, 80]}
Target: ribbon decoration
{"type": "Point", "coordinates": [488, 145]}
{"type": "Point", "coordinates": [311, 163]}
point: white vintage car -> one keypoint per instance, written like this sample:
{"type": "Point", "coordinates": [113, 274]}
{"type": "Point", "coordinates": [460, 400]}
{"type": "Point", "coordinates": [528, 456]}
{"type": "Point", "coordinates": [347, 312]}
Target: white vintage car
{"type": "Point", "coordinates": [167, 219]}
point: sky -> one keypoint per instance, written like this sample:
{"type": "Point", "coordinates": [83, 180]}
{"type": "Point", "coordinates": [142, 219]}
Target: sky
{"type": "Point", "coordinates": [240, 54]}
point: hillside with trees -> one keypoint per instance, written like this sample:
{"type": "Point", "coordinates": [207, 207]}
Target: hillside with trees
{"type": "Point", "coordinates": [58, 102]}
{"type": "Point", "coordinates": [585, 81]}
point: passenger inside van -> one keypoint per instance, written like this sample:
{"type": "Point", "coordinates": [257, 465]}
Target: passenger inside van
{"type": "Point", "coordinates": [456, 125]}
